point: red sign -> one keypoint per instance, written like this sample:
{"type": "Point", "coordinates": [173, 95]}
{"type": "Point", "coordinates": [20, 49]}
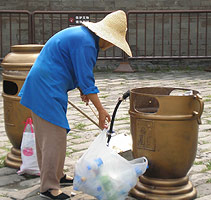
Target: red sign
{"type": "Point", "coordinates": [71, 20]}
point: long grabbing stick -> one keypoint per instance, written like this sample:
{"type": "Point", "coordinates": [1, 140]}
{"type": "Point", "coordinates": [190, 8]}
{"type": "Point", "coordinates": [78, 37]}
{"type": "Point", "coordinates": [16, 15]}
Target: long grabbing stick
{"type": "Point", "coordinates": [93, 111]}
{"type": "Point", "coordinates": [83, 113]}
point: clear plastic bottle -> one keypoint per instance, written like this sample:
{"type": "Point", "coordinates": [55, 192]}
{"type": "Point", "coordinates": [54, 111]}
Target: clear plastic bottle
{"type": "Point", "coordinates": [107, 186]}
{"type": "Point", "coordinates": [95, 165]}
{"type": "Point", "coordinates": [130, 179]}
{"type": "Point", "coordinates": [79, 182]}
{"type": "Point", "coordinates": [93, 172]}
{"type": "Point", "coordinates": [88, 180]}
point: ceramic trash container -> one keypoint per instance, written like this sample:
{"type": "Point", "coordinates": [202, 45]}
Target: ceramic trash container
{"type": "Point", "coordinates": [164, 128]}
{"type": "Point", "coordinates": [16, 66]}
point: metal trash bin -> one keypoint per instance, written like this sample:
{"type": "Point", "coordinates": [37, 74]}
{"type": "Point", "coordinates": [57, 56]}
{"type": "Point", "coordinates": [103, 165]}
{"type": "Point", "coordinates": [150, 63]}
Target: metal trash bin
{"type": "Point", "coordinates": [16, 66]}
{"type": "Point", "coordinates": [164, 128]}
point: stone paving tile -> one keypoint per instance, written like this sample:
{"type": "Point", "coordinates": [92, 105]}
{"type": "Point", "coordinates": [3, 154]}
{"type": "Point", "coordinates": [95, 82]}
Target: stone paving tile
{"type": "Point", "coordinates": [10, 179]}
{"type": "Point", "coordinates": [112, 86]}
{"type": "Point", "coordinates": [208, 197]}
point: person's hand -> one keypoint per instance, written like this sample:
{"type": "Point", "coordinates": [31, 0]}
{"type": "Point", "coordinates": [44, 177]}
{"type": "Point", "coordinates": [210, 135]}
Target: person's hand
{"type": "Point", "coordinates": [85, 98]}
{"type": "Point", "coordinates": [104, 119]}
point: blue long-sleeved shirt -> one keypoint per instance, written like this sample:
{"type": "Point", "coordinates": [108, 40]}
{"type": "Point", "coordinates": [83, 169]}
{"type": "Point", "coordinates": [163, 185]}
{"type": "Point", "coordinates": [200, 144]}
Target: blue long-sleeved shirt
{"type": "Point", "coordinates": [65, 63]}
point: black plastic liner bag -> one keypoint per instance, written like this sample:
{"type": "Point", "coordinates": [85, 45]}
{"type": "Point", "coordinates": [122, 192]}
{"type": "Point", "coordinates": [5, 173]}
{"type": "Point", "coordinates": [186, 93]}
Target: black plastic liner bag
{"type": "Point", "coordinates": [104, 174]}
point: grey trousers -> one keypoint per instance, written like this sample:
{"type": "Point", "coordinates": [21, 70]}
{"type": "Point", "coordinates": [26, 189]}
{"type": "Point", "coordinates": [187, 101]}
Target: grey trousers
{"type": "Point", "coordinates": [51, 151]}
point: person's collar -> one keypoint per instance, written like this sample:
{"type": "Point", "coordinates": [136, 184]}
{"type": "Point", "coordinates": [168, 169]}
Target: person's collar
{"type": "Point", "coordinates": [96, 38]}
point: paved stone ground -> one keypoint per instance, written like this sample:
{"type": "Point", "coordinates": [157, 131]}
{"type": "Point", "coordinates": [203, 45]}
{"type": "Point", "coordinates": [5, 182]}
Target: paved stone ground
{"type": "Point", "coordinates": [112, 86]}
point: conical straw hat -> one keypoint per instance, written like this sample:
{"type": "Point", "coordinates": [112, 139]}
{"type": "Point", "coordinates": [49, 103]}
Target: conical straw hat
{"type": "Point", "coordinates": [112, 28]}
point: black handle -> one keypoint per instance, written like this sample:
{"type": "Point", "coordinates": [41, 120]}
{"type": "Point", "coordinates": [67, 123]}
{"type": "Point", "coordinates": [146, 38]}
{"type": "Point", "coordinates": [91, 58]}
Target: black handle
{"type": "Point", "coordinates": [110, 131]}
{"type": "Point", "coordinates": [126, 95]}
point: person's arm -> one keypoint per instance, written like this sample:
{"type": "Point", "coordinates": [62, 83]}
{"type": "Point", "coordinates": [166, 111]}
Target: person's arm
{"type": "Point", "coordinates": [103, 115]}
{"type": "Point", "coordinates": [84, 59]}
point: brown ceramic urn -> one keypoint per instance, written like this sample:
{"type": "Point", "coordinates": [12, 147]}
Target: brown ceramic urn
{"type": "Point", "coordinates": [164, 128]}
{"type": "Point", "coordinates": [16, 66]}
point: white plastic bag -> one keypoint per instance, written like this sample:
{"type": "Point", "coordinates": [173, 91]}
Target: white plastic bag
{"type": "Point", "coordinates": [104, 174]}
{"type": "Point", "coordinates": [28, 151]}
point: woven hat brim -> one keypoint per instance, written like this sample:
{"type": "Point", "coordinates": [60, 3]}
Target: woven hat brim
{"type": "Point", "coordinates": [108, 34]}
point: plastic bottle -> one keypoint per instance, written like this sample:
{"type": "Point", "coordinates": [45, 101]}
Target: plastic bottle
{"type": "Point", "coordinates": [89, 181]}
{"type": "Point", "coordinates": [78, 182]}
{"type": "Point", "coordinates": [93, 167]}
{"type": "Point", "coordinates": [95, 164]}
{"type": "Point", "coordinates": [126, 181]}
{"type": "Point", "coordinates": [109, 188]}
{"type": "Point", "coordinates": [99, 193]}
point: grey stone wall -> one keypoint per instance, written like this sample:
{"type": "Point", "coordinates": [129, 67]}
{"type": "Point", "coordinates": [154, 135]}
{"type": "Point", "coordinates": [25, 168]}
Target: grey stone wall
{"type": "Point", "coordinates": [101, 5]}
{"type": "Point", "coordinates": [126, 5]}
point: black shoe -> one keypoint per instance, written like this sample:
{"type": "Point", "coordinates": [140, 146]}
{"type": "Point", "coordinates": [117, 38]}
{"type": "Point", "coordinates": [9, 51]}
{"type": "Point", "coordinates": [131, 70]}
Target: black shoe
{"type": "Point", "coordinates": [48, 195]}
{"type": "Point", "coordinates": [65, 182]}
